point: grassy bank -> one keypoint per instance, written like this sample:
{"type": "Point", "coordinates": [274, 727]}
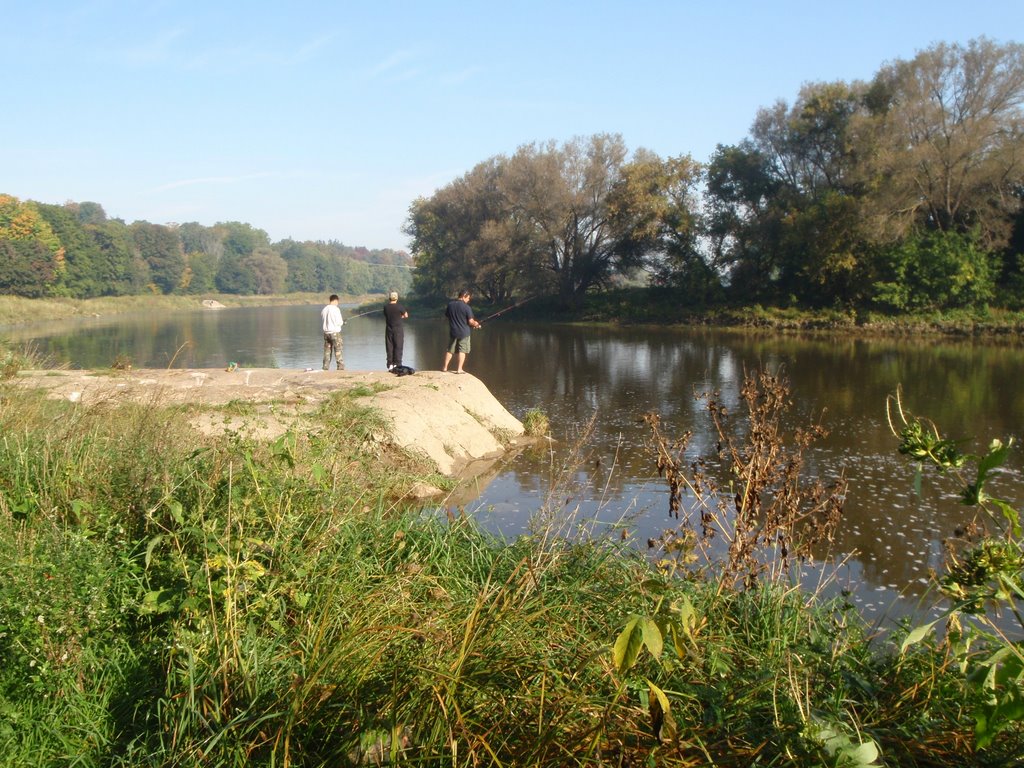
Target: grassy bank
{"type": "Point", "coordinates": [662, 306]}
{"type": "Point", "coordinates": [174, 600]}
{"type": "Point", "coordinates": [15, 310]}
{"type": "Point", "coordinates": [658, 306]}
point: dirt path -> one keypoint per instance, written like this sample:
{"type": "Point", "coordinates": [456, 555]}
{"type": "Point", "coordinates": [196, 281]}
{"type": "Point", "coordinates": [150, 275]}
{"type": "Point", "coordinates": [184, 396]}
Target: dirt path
{"type": "Point", "coordinates": [452, 419]}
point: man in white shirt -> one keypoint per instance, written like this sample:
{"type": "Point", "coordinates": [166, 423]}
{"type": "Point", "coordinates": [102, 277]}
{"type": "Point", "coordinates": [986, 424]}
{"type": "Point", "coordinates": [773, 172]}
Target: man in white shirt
{"type": "Point", "coordinates": [332, 322]}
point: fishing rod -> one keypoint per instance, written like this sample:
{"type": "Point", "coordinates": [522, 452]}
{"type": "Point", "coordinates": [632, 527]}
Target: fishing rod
{"type": "Point", "coordinates": [506, 309]}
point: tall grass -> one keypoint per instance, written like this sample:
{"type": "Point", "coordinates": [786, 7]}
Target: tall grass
{"type": "Point", "coordinates": [174, 600]}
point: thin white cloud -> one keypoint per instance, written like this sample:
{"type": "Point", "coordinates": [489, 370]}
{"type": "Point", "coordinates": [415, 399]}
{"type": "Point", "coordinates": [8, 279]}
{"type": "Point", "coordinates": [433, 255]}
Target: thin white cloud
{"type": "Point", "coordinates": [311, 48]}
{"type": "Point", "coordinates": [173, 47]}
{"type": "Point", "coordinates": [212, 180]}
{"type": "Point", "coordinates": [157, 49]}
{"type": "Point", "coordinates": [457, 78]}
{"type": "Point", "coordinates": [392, 62]}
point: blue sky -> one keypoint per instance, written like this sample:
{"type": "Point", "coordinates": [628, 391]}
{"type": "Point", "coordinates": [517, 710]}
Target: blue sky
{"type": "Point", "coordinates": [325, 120]}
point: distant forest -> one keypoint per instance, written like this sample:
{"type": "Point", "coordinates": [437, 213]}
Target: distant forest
{"type": "Point", "coordinates": [901, 194]}
{"type": "Point", "coordinates": [75, 250]}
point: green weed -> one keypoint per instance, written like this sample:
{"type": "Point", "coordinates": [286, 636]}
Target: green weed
{"type": "Point", "coordinates": [226, 602]}
{"type": "Point", "coordinates": [535, 423]}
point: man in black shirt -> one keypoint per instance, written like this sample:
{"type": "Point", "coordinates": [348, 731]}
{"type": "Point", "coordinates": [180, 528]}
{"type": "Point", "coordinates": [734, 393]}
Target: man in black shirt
{"type": "Point", "coordinates": [460, 321]}
{"type": "Point", "coordinates": [394, 332]}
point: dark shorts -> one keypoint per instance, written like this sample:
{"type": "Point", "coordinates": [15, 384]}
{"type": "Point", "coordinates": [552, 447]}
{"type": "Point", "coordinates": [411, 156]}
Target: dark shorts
{"type": "Point", "coordinates": [458, 345]}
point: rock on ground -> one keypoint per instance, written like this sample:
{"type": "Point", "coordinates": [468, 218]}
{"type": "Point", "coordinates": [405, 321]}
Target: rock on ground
{"type": "Point", "coordinates": [453, 420]}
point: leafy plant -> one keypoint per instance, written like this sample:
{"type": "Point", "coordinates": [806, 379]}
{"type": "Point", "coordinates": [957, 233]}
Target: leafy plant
{"type": "Point", "coordinates": [984, 574]}
{"type": "Point", "coordinates": [753, 494]}
{"type": "Point", "coordinates": [676, 623]}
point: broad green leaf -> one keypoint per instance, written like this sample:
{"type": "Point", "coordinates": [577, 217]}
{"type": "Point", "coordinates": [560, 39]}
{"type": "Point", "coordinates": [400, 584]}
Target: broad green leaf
{"type": "Point", "coordinates": [284, 448]}
{"type": "Point", "coordinates": [655, 586]}
{"type": "Point", "coordinates": [1012, 515]}
{"type": "Point", "coordinates": [685, 614]}
{"type": "Point", "coordinates": [916, 635]}
{"type": "Point", "coordinates": [627, 646]}
{"type": "Point", "coordinates": [983, 734]}
{"type": "Point", "coordinates": [861, 755]}
{"type": "Point", "coordinates": [1011, 671]}
{"type": "Point", "coordinates": [160, 601]}
{"type": "Point", "coordinates": [827, 736]}
{"type": "Point", "coordinates": [652, 636]}
{"type": "Point", "coordinates": [151, 546]}
{"type": "Point", "coordinates": [995, 457]}
{"type": "Point", "coordinates": [177, 511]}
{"type": "Point", "coordinates": [251, 569]}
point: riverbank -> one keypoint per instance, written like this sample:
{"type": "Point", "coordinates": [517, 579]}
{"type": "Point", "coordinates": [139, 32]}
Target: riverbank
{"type": "Point", "coordinates": [452, 421]}
{"type": "Point", "coordinates": [15, 310]}
{"type": "Point", "coordinates": [660, 306]}
{"type": "Point", "coordinates": [180, 598]}
{"type": "Point", "coordinates": [634, 306]}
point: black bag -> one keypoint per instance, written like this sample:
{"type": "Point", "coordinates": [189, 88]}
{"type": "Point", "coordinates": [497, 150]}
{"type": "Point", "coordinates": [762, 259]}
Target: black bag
{"type": "Point", "coordinates": [403, 370]}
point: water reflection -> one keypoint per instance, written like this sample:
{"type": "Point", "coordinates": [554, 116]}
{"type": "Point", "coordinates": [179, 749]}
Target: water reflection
{"type": "Point", "coordinates": [575, 374]}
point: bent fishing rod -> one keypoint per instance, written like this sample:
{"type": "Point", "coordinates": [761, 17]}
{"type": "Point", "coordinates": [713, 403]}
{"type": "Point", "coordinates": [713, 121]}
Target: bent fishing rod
{"type": "Point", "coordinates": [506, 309]}
{"type": "Point", "coordinates": [489, 317]}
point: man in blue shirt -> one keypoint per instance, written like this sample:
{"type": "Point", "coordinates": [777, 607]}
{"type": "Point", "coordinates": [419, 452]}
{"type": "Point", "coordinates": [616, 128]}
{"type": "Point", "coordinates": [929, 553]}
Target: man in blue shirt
{"type": "Point", "coordinates": [460, 322]}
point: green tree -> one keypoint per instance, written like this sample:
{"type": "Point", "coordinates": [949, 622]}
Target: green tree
{"type": "Point", "coordinates": [935, 270]}
{"type": "Point", "coordinates": [269, 270]}
{"type": "Point", "coordinates": [356, 277]}
{"type": "Point", "coordinates": [784, 205]}
{"type": "Point", "coordinates": [26, 268]}
{"type": "Point", "coordinates": [235, 276]}
{"type": "Point", "coordinates": [88, 213]}
{"type": "Point", "coordinates": [743, 220]}
{"type": "Point", "coordinates": [467, 236]}
{"type": "Point", "coordinates": [202, 272]}
{"type": "Point", "coordinates": [555, 218]}
{"type": "Point", "coordinates": [947, 141]}
{"type": "Point", "coordinates": [79, 279]}
{"type": "Point", "coordinates": [195, 238]}
{"type": "Point", "coordinates": [654, 206]}
{"type": "Point", "coordinates": [241, 239]}
{"type": "Point", "coordinates": [561, 194]}
{"type": "Point", "coordinates": [1011, 272]}
{"type": "Point", "coordinates": [159, 247]}
{"type": "Point", "coordinates": [117, 271]}
{"type": "Point", "coordinates": [302, 261]}
{"type": "Point", "coordinates": [22, 224]}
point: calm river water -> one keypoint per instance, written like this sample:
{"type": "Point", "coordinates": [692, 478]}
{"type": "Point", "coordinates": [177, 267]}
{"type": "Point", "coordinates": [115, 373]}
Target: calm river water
{"type": "Point", "coordinates": [890, 537]}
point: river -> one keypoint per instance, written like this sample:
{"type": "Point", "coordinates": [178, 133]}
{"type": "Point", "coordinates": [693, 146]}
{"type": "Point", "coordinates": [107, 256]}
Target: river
{"type": "Point", "coordinates": [890, 537]}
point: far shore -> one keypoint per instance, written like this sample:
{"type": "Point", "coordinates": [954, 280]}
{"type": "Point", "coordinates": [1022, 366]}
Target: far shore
{"type": "Point", "coordinates": [632, 307]}
{"type": "Point", "coordinates": [16, 310]}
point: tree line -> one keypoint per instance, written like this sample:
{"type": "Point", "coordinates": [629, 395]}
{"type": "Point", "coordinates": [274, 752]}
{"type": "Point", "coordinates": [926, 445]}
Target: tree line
{"type": "Point", "coordinates": [74, 250]}
{"type": "Point", "coordinates": [903, 193]}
